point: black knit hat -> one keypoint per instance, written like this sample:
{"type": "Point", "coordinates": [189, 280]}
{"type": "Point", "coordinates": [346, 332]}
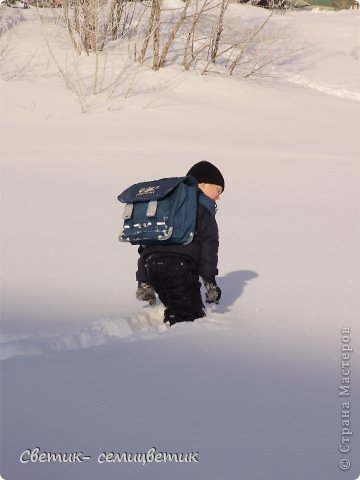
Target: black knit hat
{"type": "Point", "coordinates": [206, 172]}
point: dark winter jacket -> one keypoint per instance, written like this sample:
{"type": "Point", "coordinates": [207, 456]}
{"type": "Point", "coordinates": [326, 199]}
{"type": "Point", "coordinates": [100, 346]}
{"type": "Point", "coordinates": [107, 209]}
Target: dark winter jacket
{"type": "Point", "coordinates": [203, 250]}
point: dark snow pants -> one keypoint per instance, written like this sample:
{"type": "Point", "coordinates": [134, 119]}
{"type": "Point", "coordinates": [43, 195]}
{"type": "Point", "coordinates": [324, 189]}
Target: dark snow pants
{"type": "Point", "coordinates": [176, 281]}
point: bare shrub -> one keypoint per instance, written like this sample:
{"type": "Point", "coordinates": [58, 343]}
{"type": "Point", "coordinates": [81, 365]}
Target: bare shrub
{"type": "Point", "coordinates": [91, 23]}
{"type": "Point", "coordinates": [202, 29]}
{"type": "Point", "coordinates": [196, 34]}
{"type": "Point", "coordinates": [5, 32]}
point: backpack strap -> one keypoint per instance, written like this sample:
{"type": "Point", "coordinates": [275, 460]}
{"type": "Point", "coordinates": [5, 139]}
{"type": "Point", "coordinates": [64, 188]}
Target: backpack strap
{"type": "Point", "coordinates": [128, 210]}
{"type": "Point", "coordinates": [152, 207]}
{"type": "Point", "coordinates": [209, 204]}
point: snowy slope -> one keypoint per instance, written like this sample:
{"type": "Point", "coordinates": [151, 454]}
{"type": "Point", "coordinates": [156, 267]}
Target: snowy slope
{"type": "Point", "coordinates": [253, 387]}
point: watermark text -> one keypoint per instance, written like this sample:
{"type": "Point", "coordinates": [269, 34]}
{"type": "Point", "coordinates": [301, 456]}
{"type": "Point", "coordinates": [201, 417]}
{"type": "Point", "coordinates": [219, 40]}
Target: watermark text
{"type": "Point", "coordinates": [344, 395]}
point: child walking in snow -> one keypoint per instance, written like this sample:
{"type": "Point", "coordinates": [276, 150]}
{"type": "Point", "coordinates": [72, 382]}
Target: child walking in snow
{"type": "Point", "coordinates": [173, 271]}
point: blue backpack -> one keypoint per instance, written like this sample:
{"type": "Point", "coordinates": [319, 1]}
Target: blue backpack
{"type": "Point", "coordinates": [160, 212]}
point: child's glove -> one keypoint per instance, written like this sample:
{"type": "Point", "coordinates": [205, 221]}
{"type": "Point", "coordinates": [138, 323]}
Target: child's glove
{"type": "Point", "coordinates": [146, 293]}
{"type": "Point", "coordinates": [213, 292]}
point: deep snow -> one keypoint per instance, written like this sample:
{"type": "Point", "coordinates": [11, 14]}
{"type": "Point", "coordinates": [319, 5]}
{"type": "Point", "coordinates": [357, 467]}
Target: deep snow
{"type": "Point", "coordinates": [253, 387]}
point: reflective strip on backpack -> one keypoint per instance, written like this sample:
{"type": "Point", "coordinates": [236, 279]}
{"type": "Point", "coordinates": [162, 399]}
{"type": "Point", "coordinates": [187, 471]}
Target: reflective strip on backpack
{"type": "Point", "coordinates": [152, 207]}
{"type": "Point", "coordinates": [166, 235]}
{"type": "Point", "coordinates": [128, 209]}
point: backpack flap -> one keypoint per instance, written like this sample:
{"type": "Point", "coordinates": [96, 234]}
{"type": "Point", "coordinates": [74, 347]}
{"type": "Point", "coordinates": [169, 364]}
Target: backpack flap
{"type": "Point", "coordinates": [154, 190]}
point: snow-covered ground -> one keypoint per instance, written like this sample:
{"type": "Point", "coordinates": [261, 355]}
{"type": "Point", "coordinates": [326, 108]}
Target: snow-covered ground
{"type": "Point", "coordinates": [254, 386]}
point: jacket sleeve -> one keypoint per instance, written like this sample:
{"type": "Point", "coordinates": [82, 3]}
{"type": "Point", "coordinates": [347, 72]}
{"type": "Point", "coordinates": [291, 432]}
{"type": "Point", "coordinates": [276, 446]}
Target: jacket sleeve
{"type": "Point", "coordinates": [141, 275]}
{"type": "Point", "coordinates": [208, 236]}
